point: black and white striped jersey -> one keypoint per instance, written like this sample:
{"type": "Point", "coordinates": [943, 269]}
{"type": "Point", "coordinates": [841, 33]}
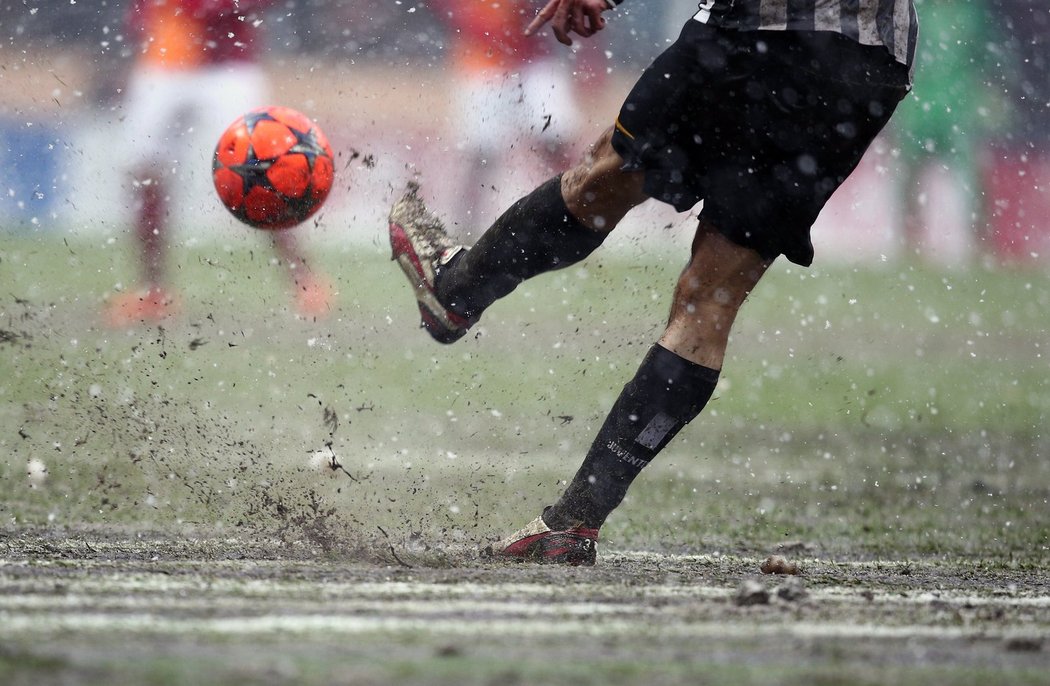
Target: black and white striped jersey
{"type": "Point", "coordinates": [889, 23]}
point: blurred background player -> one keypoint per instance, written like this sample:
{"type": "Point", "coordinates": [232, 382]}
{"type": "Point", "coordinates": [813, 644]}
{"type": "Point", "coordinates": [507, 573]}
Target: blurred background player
{"type": "Point", "coordinates": [197, 69]}
{"type": "Point", "coordinates": [514, 99]}
{"type": "Point", "coordinates": [943, 123]}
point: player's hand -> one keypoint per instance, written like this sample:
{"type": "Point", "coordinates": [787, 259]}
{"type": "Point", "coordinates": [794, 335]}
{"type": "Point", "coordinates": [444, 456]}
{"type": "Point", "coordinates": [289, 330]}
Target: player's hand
{"type": "Point", "coordinates": [582, 17]}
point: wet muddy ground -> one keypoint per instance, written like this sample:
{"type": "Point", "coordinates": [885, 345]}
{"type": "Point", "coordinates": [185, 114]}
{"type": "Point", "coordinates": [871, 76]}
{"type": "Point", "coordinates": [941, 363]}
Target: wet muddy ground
{"type": "Point", "coordinates": [98, 607]}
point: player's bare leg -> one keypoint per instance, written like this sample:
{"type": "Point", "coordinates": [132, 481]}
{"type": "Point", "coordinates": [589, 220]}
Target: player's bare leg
{"type": "Point", "coordinates": [710, 292]}
{"type": "Point", "coordinates": [150, 301]}
{"type": "Point", "coordinates": [313, 291]}
{"type": "Point", "coordinates": [149, 229]}
{"type": "Point", "coordinates": [597, 191]}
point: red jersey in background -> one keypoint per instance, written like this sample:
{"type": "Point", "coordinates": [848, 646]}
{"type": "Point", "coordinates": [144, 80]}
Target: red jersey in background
{"type": "Point", "coordinates": [185, 34]}
{"type": "Point", "coordinates": [488, 35]}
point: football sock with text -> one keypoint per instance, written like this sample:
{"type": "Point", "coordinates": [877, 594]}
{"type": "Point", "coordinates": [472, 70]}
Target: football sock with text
{"type": "Point", "coordinates": [536, 235]}
{"type": "Point", "coordinates": [666, 393]}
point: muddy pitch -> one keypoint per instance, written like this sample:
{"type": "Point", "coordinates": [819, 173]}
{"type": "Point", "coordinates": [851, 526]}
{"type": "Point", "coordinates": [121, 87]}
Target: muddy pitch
{"type": "Point", "coordinates": [96, 606]}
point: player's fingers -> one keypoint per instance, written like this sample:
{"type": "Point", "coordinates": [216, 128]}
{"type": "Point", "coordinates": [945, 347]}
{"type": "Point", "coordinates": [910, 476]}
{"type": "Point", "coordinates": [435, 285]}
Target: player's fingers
{"type": "Point", "coordinates": [595, 20]}
{"type": "Point", "coordinates": [561, 34]}
{"type": "Point", "coordinates": [561, 21]}
{"type": "Point", "coordinates": [542, 18]}
{"type": "Point", "coordinates": [579, 21]}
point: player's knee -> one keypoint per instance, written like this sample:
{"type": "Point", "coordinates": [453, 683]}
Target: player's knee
{"type": "Point", "coordinates": [594, 165]}
{"type": "Point", "coordinates": [598, 191]}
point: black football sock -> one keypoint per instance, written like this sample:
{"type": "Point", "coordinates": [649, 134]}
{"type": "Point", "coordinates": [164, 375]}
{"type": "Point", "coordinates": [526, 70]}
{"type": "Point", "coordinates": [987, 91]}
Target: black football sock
{"type": "Point", "coordinates": [666, 393]}
{"type": "Point", "coordinates": [536, 235]}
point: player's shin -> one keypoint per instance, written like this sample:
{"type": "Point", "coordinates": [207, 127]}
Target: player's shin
{"type": "Point", "coordinates": [536, 235]}
{"type": "Point", "coordinates": [149, 225]}
{"type": "Point", "coordinates": [666, 393]}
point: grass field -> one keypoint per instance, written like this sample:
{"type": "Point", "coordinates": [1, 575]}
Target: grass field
{"type": "Point", "coordinates": [883, 426]}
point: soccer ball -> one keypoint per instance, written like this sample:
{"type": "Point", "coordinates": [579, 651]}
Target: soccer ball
{"type": "Point", "coordinates": [273, 168]}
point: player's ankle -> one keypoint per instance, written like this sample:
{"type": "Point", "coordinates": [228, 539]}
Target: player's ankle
{"type": "Point", "coordinates": [451, 302]}
{"type": "Point", "coordinates": [557, 517]}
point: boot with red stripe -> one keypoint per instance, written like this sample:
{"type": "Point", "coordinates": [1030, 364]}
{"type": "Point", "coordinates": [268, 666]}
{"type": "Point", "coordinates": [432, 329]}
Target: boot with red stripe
{"type": "Point", "coordinates": [538, 543]}
{"type": "Point", "coordinates": [421, 248]}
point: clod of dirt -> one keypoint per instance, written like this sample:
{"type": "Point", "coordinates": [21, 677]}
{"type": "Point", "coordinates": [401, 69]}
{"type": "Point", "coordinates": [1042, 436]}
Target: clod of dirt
{"type": "Point", "coordinates": [324, 462]}
{"type": "Point", "coordinates": [776, 564]}
{"type": "Point", "coordinates": [751, 592]}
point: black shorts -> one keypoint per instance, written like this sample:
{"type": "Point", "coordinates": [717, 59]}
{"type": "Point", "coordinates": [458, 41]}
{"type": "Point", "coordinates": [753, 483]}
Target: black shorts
{"type": "Point", "coordinates": [762, 126]}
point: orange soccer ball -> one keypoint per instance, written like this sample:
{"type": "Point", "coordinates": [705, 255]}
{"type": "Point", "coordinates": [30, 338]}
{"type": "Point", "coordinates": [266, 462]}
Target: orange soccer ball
{"type": "Point", "coordinates": [273, 168]}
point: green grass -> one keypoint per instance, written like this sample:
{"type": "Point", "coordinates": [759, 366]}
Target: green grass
{"type": "Point", "coordinates": [884, 409]}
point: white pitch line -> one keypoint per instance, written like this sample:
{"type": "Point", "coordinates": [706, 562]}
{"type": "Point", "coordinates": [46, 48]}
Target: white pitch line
{"type": "Point", "coordinates": [89, 589]}
{"type": "Point", "coordinates": [472, 627]}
